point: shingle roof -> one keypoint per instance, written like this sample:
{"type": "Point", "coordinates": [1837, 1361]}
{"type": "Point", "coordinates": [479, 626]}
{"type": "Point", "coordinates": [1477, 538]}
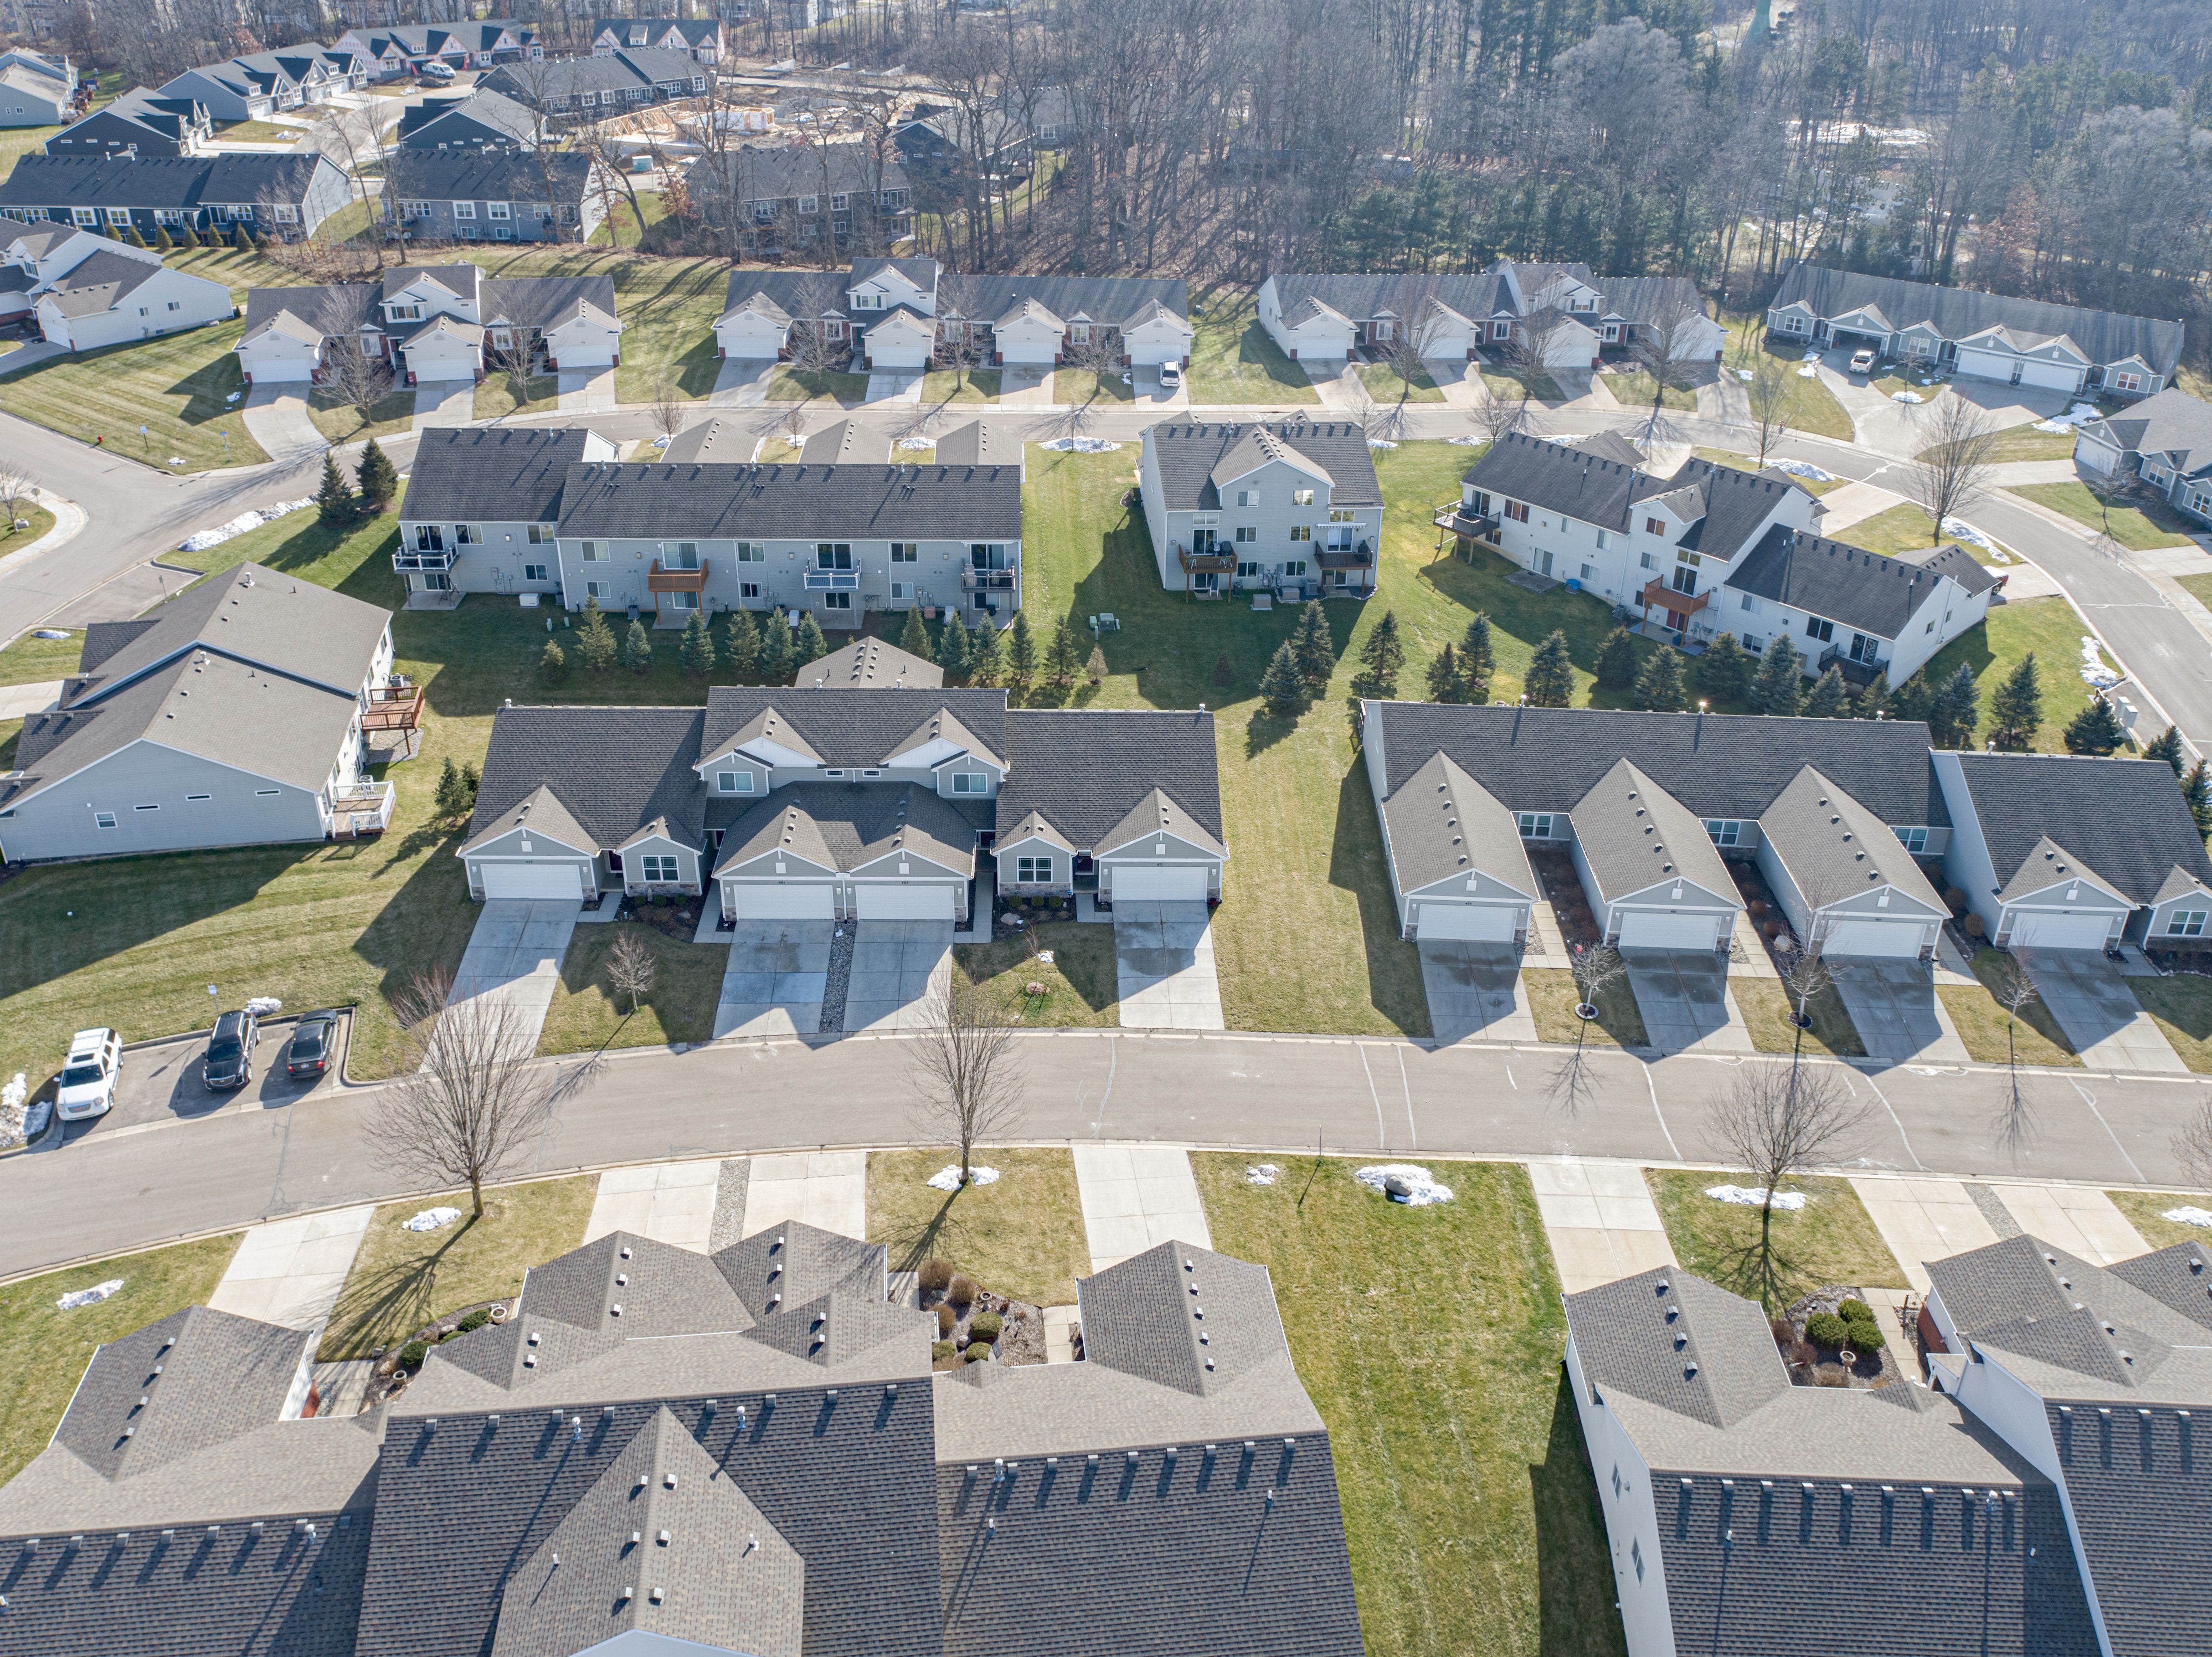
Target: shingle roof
{"type": "Point", "coordinates": [2171, 426]}
{"type": "Point", "coordinates": [871, 664]}
{"type": "Point", "coordinates": [1359, 297]}
{"type": "Point", "coordinates": [2104, 336]}
{"type": "Point", "coordinates": [788, 502]}
{"type": "Point", "coordinates": [1443, 823]}
{"type": "Point", "coordinates": [844, 825]}
{"type": "Point", "coordinates": [1546, 759]}
{"type": "Point", "coordinates": [505, 474]}
{"type": "Point", "coordinates": [497, 175]}
{"type": "Point", "coordinates": [1188, 455]}
{"type": "Point", "coordinates": [2124, 819]}
{"type": "Point", "coordinates": [159, 181]}
{"type": "Point", "coordinates": [619, 71]}
{"type": "Point", "coordinates": [1835, 848]}
{"type": "Point", "coordinates": [502, 114]}
{"type": "Point", "coordinates": [721, 440]}
{"type": "Point", "coordinates": [1863, 590]}
{"type": "Point", "coordinates": [853, 731]}
{"type": "Point", "coordinates": [614, 769]}
{"type": "Point", "coordinates": [1596, 482]}
{"type": "Point", "coordinates": [847, 442]}
{"type": "Point", "coordinates": [99, 284]}
{"type": "Point", "coordinates": [976, 443]}
{"type": "Point", "coordinates": [2180, 1277]}
{"type": "Point", "coordinates": [1116, 300]}
{"type": "Point", "coordinates": [1634, 835]}
{"type": "Point", "coordinates": [1085, 769]}
{"type": "Point", "coordinates": [765, 172]}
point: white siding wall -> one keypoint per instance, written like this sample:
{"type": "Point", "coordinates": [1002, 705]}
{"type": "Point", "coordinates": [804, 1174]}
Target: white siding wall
{"type": "Point", "coordinates": [779, 575]}
{"type": "Point", "coordinates": [1631, 1520]}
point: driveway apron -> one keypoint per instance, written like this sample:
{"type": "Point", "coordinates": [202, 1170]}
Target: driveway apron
{"type": "Point", "coordinates": [1683, 996]}
{"type": "Point", "coordinates": [1474, 990]}
{"type": "Point", "coordinates": [1136, 1197]}
{"type": "Point", "coordinates": [445, 402]}
{"type": "Point", "coordinates": [778, 973]}
{"type": "Point", "coordinates": [741, 383]}
{"type": "Point", "coordinates": [1163, 967]}
{"type": "Point", "coordinates": [588, 391]}
{"type": "Point", "coordinates": [2100, 1013]}
{"type": "Point", "coordinates": [1893, 1006]}
{"type": "Point", "coordinates": [899, 967]}
{"type": "Point", "coordinates": [514, 955]}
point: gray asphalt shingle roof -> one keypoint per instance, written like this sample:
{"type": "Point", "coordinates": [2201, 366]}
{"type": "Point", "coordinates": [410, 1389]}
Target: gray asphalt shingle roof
{"type": "Point", "coordinates": [787, 502]}
{"type": "Point", "coordinates": [1835, 848]}
{"type": "Point", "coordinates": [843, 825]}
{"type": "Point", "coordinates": [1189, 457]}
{"type": "Point", "coordinates": [1858, 588]}
{"type": "Point", "coordinates": [99, 284]}
{"type": "Point", "coordinates": [614, 769]}
{"type": "Point", "coordinates": [444, 120]}
{"type": "Point", "coordinates": [499, 176]}
{"type": "Point", "coordinates": [159, 181]}
{"type": "Point", "coordinates": [1115, 301]}
{"type": "Point", "coordinates": [1634, 835]}
{"type": "Point", "coordinates": [2124, 819]}
{"type": "Point", "coordinates": [871, 664]}
{"type": "Point", "coordinates": [2171, 426]}
{"type": "Point", "coordinates": [1443, 823]}
{"type": "Point", "coordinates": [856, 731]}
{"type": "Point", "coordinates": [1597, 484]}
{"type": "Point", "coordinates": [1084, 770]}
{"type": "Point", "coordinates": [503, 475]}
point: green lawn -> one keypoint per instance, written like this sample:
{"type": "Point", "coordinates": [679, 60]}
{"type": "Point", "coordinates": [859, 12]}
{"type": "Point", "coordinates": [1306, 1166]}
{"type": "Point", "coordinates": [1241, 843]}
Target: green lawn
{"type": "Point", "coordinates": [2146, 1212]}
{"type": "Point", "coordinates": [587, 1014]}
{"type": "Point", "coordinates": [1750, 463]}
{"type": "Point", "coordinates": [1901, 528]}
{"type": "Point", "coordinates": [402, 1279]}
{"type": "Point", "coordinates": [1429, 1338]}
{"type": "Point", "coordinates": [1386, 384]}
{"type": "Point", "coordinates": [960, 386]}
{"type": "Point", "coordinates": [44, 1349]}
{"type": "Point", "coordinates": [1508, 382]}
{"type": "Point", "coordinates": [1766, 1006]}
{"type": "Point", "coordinates": [1814, 408]}
{"type": "Point", "coordinates": [623, 228]}
{"type": "Point", "coordinates": [31, 660]}
{"type": "Point", "coordinates": [37, 520]}
{"type": "Point", "coordinates": [1080, 985]}
{"type": "Point", "coordinates": [176, 385]}
{"type": "Point", "coordinates": [2026, 443]}
{"type": "Point", "coordinates": [2181, 1005]}
{"type": "Point", "coordinates": [341, 422]}
{"type": "Point", "coordinates": [16, 143]}
{"type": "Point", "coordinates": [1092, 385]}
{"type": "Point", "coordinates": [2051, 628]}
{"type": "Point", "coordinates": [1831, 1240]}
{"type": "Point", "coordinates": [789, 385]}
{"type": "Point", "coordinates": [2138, 528]}
{"type": "Point", "coordinates": [1551, 998]}
{"type": "Point", "coordinates": [1633, 390]}
{"type": "Point", "coordinates": [1983, 1023]}
{"type": "Point", "coordinates": [259, 132]}
{"type": "Point", "coordinates": [2198, 586]}
{"type": "Point", "coordinates": [501, 395]}
{"type": "Point", "coordinates": [1233, 359]}
{"type": "Point", "coordinates": [1021, 1235]}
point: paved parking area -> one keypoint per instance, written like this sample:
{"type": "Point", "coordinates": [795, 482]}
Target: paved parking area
{"type": "Point", "coordinates": [827, 1189]}
{"type": "Point", "coordinates": [1599, 1219]}
{"type": "Point", "coordinates": [161, 1083]}
{"type": "Point", "coordinates": [290, 1272]}
{"type": "Point", "coordinates": [777, 976]}
{"type": "Point", "coordinates": [1683, 996]}
{"type": "Point", "coordinates": [1163, 967]}
{"type": "Point", "coordinates": [1474, 990]}
{"type": "Point", "coordinates": [514, 955]}
{"type": "Point", "coordinates": [1894, 1007]}
{"type": "Point", "coordinates": [2093, 1004]}
{"type": "Point", "coordinates": [1925, 1218]}
{"type": "Point", "coordinates": [1136, 1197]}
{"type": "Point", "coordinates": [669, 1202]}
{"type": "Point", "coordinates": [900, 968]}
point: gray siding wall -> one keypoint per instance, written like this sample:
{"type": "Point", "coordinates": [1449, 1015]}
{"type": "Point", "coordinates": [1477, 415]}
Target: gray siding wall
{"type": "Point", "coordinates": [1966, 857]}
{"type": "Point", "coordinates": [327, 193]}
{"type": "Point", "coordinates": [21, 109]}
{"type": "Point", "coordinates": [494, 561]}
{"type": "Point", "coordinates": [780, 576]}
{"type": "Point", "coordinates": [59, 822]}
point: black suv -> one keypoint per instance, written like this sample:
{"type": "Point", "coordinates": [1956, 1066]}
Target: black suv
{"type": "Point", "coordinates": [229, 1061]}
{"type": "Point", "coordinates": [313, 1040]}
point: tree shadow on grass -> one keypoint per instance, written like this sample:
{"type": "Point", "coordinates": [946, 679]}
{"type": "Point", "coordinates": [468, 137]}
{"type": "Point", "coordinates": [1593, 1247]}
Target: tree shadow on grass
{"type": "Point", "coordinates": [1576, 1613]}
{"type": "Point", "coordinates": [1356, 865]}
{"type": "Point", "coordinates": [937, 1235]}
{"type": "Point", "coordinates": [388, 1301]}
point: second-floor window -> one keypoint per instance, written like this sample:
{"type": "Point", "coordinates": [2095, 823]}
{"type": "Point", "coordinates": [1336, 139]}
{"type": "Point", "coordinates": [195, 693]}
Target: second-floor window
{"type": "Point", "coordinates": [430, 538]}
{"type": "Point", "coordinates": [1342, 515]}
{"type": "Point", "coordinates": [684, 555]}
{"type": "Point", "coordinates": [1817, 628]}
{"type": "Point", "coordinates": [465, 209]}
{"type": "Point", "coordinates": [970, 782]}
{"type": "Point", "coordinates": [1517, 510]}
{"type": "Point", "coordinates": [501, 210]}
{"type": "Point", "coordinates": [906, 552]}
{"type": "Point", "coordinates": [1685, 581]}
{"type": "Point", "coordinates": [751, 552]}
{"type": "Point", "coordinates": [1653, 526]}
{"type": "Point", "coordinates": [1302, 497]}
{"type": "Point", "coordinates": [833, 555]}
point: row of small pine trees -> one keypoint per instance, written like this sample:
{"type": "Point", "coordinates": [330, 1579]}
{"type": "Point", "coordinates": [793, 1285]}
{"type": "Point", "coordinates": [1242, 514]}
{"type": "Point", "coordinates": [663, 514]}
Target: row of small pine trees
{"type": "Point", "coordinates": [240, 237]}
{"type": "Point", "coordinates": [336, 501]}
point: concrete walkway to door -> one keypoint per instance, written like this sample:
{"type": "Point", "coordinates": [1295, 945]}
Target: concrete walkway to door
{"type": "Point", "coordinates": [2100, 1013]}
{"type": "Point", "coordinates": [1164, 966]}
{"type": "Point", "coordinates": [514, 955]}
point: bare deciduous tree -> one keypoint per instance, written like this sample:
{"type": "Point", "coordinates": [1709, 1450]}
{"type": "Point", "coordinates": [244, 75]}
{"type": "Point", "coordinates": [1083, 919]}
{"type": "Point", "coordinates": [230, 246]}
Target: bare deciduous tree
{"type": "Point", "coordinates": [1662, 347]}
{"type": "Point", "coordinates": [1952, 471]}
{"type": "Point", "coordinates": [2014, 991]}
{"type": "Point", "coordinates": [470, 1095]}
{"type": "Point", "coordinates": [1595, 968]}
{"type": "Point", "coordinates": [967, 1078]}
{"type": "Point", "coordinates": [1773, 402]}
{"type": "Point", "coordinates": [1780, 1119]}
{"type": "Point", "coordinates": [631, 967]}
{"type": "Point", "coordinates": [16, 487]}
{"type": "Point", "coordinates": [815, 305]}
{"type": "Point", "coordinates": [666, 403]}
{"type": "Point", "coordinates": [350, 374]}
{"type": "Point", "coordinates": [1495, 412]}
{"type": "Point", "coordinates": [2192, 1146]}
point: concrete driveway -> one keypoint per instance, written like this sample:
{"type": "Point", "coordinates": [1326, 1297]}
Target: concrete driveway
{"type": "Point", "coordinates": [588, 391]}
{"type": "Point", "coordinates": [1474, 990]}
{"type": "Point", "coordinates": [2098, 1012]}
{"type": "Point", "coordinates": [778, 973]}
{"type": "Point", "coordinates": [276, 418]}
{"type": "Point", "coordinates": [445, 402]}
{"type": "Point", "coordinates": [899, 967]}
{"type": "Point", "coordinates": [1683, 996]}
{"type": "Point", "coordinates": [741, 383]}
{"type": "Point", "coordinates": [1145, 387]}
{"type": "Point", "coordinates": [1893, 1006]}
{"type": "Point", "coordinates": [514, 955]}
{"type": "Point", "coordinates": [1163, 967]}
{"type": "Point", "coordinates": [899, 385]}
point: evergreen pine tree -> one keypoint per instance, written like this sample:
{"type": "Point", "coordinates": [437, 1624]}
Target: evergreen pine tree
{"type": "Point", "coordinates": [162, 240]}
{"type": "Point", "coordinates": [379, 479]}
{"type": "Point", "coordinates": [1779, 687]}
{"type": "Point", "coordinates": [1062, 658]}
{"type": "Point", "coordinates": [1912, 698]}
{"type": "Point", "coordinates": [1873, 697]}
{"type": "Point", "coordinates": [809, 644]}
{"type": "Point", "coordinates": [1021, 652]}
{"type": "Point", "coordinates": [1094, 666]}
{"type": "Point", "coordinates": [637, 650]}
{"type": "Point", "coordinates": [953, 644]}
{"type": "Point", "coordinates": [986, 666]}
{"type": "Point", "coordinates": [595, 639]}
{"type": "Point", "coordinates": [1478, 660]}
{"type": "Point", "coordinates": [137, 237]}
{"type": "Point", "coordinates": [914, 637]}
{"type": "Point", "coordinates": [741, 645]}
{"type": "Point", "coordinates": [1314, 648]}
{"type": "Point", "coordinates": [1659, 686]}
{"type": "Point", "coordinates": [1830, 698]}
{"type": "Point", "coordinates": [775, 665]}
{"type": "Point", "coordinates": [242, 238]}
{"type": "Point", "coordinates": [1956, 710]}
{"type": "Point", "coordinates": [1282, 687]}
{"type": "Point", "coordinates": [448, 800]}
{"type": "Point", "coordinates": [471, 779]}
{"type": "Point", "coordinates": [1616, 660]}
{"type": "Point", "coordinates": [2197, 791]}
{"type": "Point", "coordinates": [1382, 655]}
{"type": "Point", "coordinates": [186, 236]}
{"type": "Point", "coordinates": [2167, 748]}
{"type": "Point", "coordinates": [1551, 678]}
{"type": "Point", "coordinates": [2094, 729]}
{"type": "Point", "coordinates": [2016, 709]}
{"type": "Point", "coordinates": [1444, 684]}
{"type": "Point", "coordinates": [1724, 670]}
{"type": "Point", "coordinates": [553, 662]}
{"type": "Point", "coordinates": [333, 500]}
{"type": "Point", "coordinates": [695, 654]}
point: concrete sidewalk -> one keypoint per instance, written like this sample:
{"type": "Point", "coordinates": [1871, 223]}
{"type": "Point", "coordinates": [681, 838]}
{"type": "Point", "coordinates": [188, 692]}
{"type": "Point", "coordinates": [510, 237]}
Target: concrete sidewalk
{"type": "Point", "coordinates": [1136, 1197]}
{"type": "Point", "coordinates": [20, 702]}
{"type": "Point", "coordinates": [290, 1272]}
{"type": "Point", "coordinates": [2084, 1222]}
{"type": "Point", "coordinates": [1925, 1218]}
{"type": "Point", "coordinates": [1600, 1220]}
{"type": "Point", "coordinates": [825, 1188]}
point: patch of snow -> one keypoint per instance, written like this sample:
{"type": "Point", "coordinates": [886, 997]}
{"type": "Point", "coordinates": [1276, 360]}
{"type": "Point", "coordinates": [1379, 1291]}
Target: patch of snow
{"type": "Point", "coordinates": [1754, 1196]}
{"type": "Point", "coordinates": [1811, 356]}
{"type": "Point", "coordinates": [917, 442]}
{"type": "Point", "coordinates": [1476, 442]}
{"type": "Point", "coordinates": [2187, 1215]}
{"type": "Point", "coordinates": [948, 1177]}
{"type": "Point", "coordinates": [265, 1006]}
{"type": "Point", "coordinates": [1804, 469]}
{"type": "Point", "coordinates": [50, 633]}
{"type": "Point", "coordinates": [1262, 1174]}
{"type": "Point", "coordinates": [92, 1297]}
{"type": "Point", "coordinates": [2080, 414]}
{"type": "Point", "coordinates": [431, 1219]}
{"type": "Point", "coordinates": [2093, 670]}
{"type": "Point", "coordinates": [1380, 443]}
{"type": "Point", "coordinates": [1959, 529]}
{"type": "Point", "coordinates": [1906, 397]}
{"type": "Point", "coordinates": [243, 522]}
{"type": "Point", "coordinates": [1811, 370]}
{"type": "Point", "coordinates": [1746, 374]}
{"type": "Point", "coordinates": [1079, 445]}
{"type": "Point", "coordinates": [1420, 1189]}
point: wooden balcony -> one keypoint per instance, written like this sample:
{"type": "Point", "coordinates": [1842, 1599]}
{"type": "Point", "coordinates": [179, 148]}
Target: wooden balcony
{"type": "Point", "coordinates": [1359, 557]}
{"type": "Point", "coordinates": [1455, 520]}
{"type": "Point", "coordinates": [395, 706]}
{"type": "Point", "coordinates": [1203, 563]}
{"type": "Point", "coordinates": [1657, 595]}
{"type": "Point", "coordinates": [660, 580]}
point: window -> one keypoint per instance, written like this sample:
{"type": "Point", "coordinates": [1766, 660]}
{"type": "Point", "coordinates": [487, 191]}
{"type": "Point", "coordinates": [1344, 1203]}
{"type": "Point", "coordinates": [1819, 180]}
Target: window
{"type": "Point", "coordinates": [175, 306]}
{"type": "Point", "coordinates": [1725, 831]}
{"type": "Point", "coordinates": [1535, 825]}
{"type": "Point", "coordinates": [88, 216]}
{"type": "Point", "coordinates": [168, 216]}
{"type": "Point", "coordinates": [1817, 628]}
{"type": "Point", "coordinates": [686, 555]}
{"type": "Point", "coordinates": [287, 214]}
{"type": "Point", "coordinates": [430, 538]}
{"type": "Point", "coordinates": [2127, 383]}
{"type": "Point", "coordinates": [1636, 1553]}
{"type": "Point", "coordinates": [541, 535]}
{"type": "Point", "coordinates": [1205, 520]}
{"type": "Point", "coordinates": [1032, 871]}
{"type": "Point", "coordinates": [1685, 581]}
{"type": "Point", "coordinates": [1247, 497]}
{"type": "Point", "coordinates": [1247, 569]}
{"type": "Point", "coordinates": [1604, 539]}
{"type": "Point", "coordinates": [119, 215]}
{"type": "Point", "coordinates": [1499, 329]}
{"type": "Point", "coordinates": [1649, 559]}
{"type": "Point", "coordinates": [1654, 527]}
{"type": "Point", "coordinates": [1302, 532]}
{"type": "Point", "coordinates": [1246, 532]}
{"type": "Point", "coordinates": [841, 202]}
{"type": "Point", "coordinates": [465, 209]}
{"type": "Point", "coordinates": [1750, 604]}
{"type": "Point", "coordinates": [969, 782]}
{"type": "Point", "coordinates": [595, 552]}
{"type": "Point", "coordinates": [867, 302]}
{"type": "Point", "coordinates": [748, 588]}
{"type": "Point", "coordinates": [500, 209]}
{"type": "Point", "coordinates": [844, 601]}
{"type": "Point", "coordinates": [1517, 510]}
{"type": "Point", "coordinates": [833, 555]}
{"type": "Point", "coordinates": [1294, 567]}
{"type": "Point", "coordinates": [103, 819]}
{"type": "Point", "coordinates": [905, 552]}
{"type": "Point", "coordinates": [403, 312]}
{"type": "Point", "coordinates": [659, 869]}
{"type": "Point", "coordinates": [809, 204]}
{"type": "Point", "coordinates": [2185, 923]}
{"type": "Point", "coordinates": [1754, 643]}
{"type": "Point", "coordinates": [901, 593]}
{"type": "Point", "coordinates": [1302, 497]}
{"type": "Point", "coordinates": [597, 589]}
{"type": "Point", "coordinates": [1342, 515]}
{"type": "Point", "coordinates": [465, 535]}
{"type": "Point", "coordinates": [533, 572]}
{"type": "Point", "coordinates": [1912, 839]}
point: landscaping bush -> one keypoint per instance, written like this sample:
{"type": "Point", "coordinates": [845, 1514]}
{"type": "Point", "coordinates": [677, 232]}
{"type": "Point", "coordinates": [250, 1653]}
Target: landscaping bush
{"type": "Point", "coordinates": [934, 1274]}
{"type": "Point", "coordinates": [476, 1320]}
{"type": "Point", "coordinates": [940, 1351]}
{"type": "Point", "coordinates": [1953, 899]}
{"type": "Point", "coordinates": [961, 1291]}
{"type": "Point", "coordinates": [1831, 1377]}
{"type": "Point", "coordinates": [412, 1354]}
{"type": "Point", "coordinates": [947, 1319]}
{"type": "Point", "coordinates": [1825, 1329]}
{"type": "Point", "coordinates": [1864, 1338]}
{"type": "Point", "coordinates": [1973, 925]}
{"type": "Point", "coordinates": [985, 1326]}
{"type": "Point", "coordinates": [976, 1352]}
{"type": "Point", "coordinates": [1856, 1311]}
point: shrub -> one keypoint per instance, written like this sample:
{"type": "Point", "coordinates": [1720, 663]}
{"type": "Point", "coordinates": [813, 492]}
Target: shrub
{"type": "Point", "coordinates": [1973, 925]}
{"type": "Point", "coordinates": [1825, 1329]}
{"type": "Point", "coordinates": [1953, 899]}
{"type": "Point", "coordinates": [1784, 1333]}
{"type": "Point", "coordinates": [939, 1350]}
{"type": "Point", "coordinates": [1856, 1311]}
{"type": "Point", "coordinates": [412, 1354]}
{"type": "Point", "coordinates": [947, 1319]}
{"type": "Point", "coordinates": [553, 662]}
{"type": "Point", "coordinates": [475, 1320]}
{"type": "Point", "coordinates": [1864, 1338]}
{"type": "Point", "coordinates": [976, 1352]}
{"type": "Point", "coordinates": [1831, 1377]}
{"type": "Point", "coordinates": [985, 1326]}
{"type": "Point", "coordinates": [934, 1274]}
{"type": "Point", "coordinates": [961, 1291]}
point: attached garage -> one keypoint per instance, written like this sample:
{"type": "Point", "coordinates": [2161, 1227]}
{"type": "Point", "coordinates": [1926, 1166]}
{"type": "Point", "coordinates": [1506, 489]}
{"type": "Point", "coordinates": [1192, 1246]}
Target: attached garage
{"type": "Point", "coordinates": [2058, 929]}
{"type": "Point", "coordinates": [1662, 929]}
{"type": "Point", "coordinates": [280, 370]}
{"type": "Point", "coordinates": [2051, 376]}
{"type": "Point", "coordinates": [1165, 883]}
{"type": "Point", "coordinates": [1480, 922]}
{"type": "Point", "coordinates": [1894, 938]}
{"type": "Point", "coordinates": [1984, 365]}
{"type": "Point", "coordinates": [904, 902]}
{"type": "Point", "coordinates": [772, 901]}
{"type": "Point", "coordinates": [528, 877]}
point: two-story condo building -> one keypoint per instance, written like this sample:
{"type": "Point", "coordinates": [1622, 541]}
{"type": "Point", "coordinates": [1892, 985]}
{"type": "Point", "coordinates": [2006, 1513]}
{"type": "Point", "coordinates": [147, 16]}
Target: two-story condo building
{"type": "Point", "coordinates": [257, 85]}
{"type": "Point", "coordinates": [139, 123]}
{"type": "Point", "coordinates": [1714, 549]}
{"type": "Point", "coordinates": [1291, 507]}
{"type": "Point", "coordinates": [548, 512]}
{"type": "Point", "coordinates": [699, 37]}
{"type": "Point", "coordinates": [85, 290]}
{"type": "Point", "coordinates": [286, 195]}
{"type": "Point", "coordinates": [404, 49]}
{"type": "Point", "coordinates": [35, 89]}
{"type": "Point", "coordinates": [492, 193]}
{"type": "Point", "coordinates": [2165, 440]}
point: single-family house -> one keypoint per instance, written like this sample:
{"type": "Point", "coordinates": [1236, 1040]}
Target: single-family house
{"type": "Point", "coordinates": [1712, 549]}
{"type": "Point", "coordinates": [472, 121]}
{"type": "Point", "coordinates": [598, 88]}
{"type": "Point", "coordinates": [763, 1420]}
{"type": "Point", "coordinates": [1735, 1492]}
{"type": "Point", "coordinates": [37, 88]}
{"type": "Point", "coordinates": [1978, 336]}
{"type": "Point", "coordinates": [1290, 506]}
{"type": "Point", "coordinates": [434, 321]}
{"type": "Point", "coordinates": [788, 197]}
{"type": "Point", "coordinates": [89, 291]}
{"type": "Point", "coordinates": [482, 507]}
{"type": "Point", "coordinates": [404, 49]}
{"type": "Point", "coordinates": [1558, 313]}
{"type": "Point", "coordinates": [2068, 852]}
{"type": "Point", "coordinates": [235, 713]}
{"type": "Point", "coordinates": [493, 195]}
{"type": "Point", "coordinates": [700, 37]}
{"type": "Point", "coordinates": [1650, 807]}
{"type": "Point", "coordinates": [286, 195]}
{"type": "Point", "coordinates": [140, 123]}
{"type": "Point", "coordinates": [2165, 440]}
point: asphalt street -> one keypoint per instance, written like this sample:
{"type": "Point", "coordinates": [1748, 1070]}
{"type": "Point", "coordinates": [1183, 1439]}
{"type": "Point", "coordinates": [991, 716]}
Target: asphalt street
{"type": "Point", "coordinates": [150, 1182]}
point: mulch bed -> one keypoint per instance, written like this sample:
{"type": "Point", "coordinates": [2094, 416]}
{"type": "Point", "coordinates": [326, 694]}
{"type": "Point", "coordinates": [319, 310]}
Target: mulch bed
{"type": "Point", "coordinates": [678, 920]}
{"type": "Point", "coordinates": [1021, 1334]}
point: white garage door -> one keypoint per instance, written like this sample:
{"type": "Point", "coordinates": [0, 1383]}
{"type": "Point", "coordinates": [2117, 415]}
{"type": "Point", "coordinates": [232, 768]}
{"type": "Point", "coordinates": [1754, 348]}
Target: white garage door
{"type": "Point", "coordinates": [810, 901]}
{"type": "Point", "coordinates": [1889, 938]}
{"type": "Point", "coordinates": [588, 357]}
{"type": "Point", "coordinates": [427, 367]}
{"type": "Point", "coordinates": [1984, 365]}
{"type": "Point", "coordinates": [281, 371]}
{"type": "Point", "coordinates": [901, 353]}
{"type": "Point", "coordinates": [2052, 375]}
{"type": "Point", "coordinates": [1656, 929]}
{"type": "Point", "coordinates": [1490, 921]}
{"type": "Point", "coordinates": [562, 878]}
{"type": "Point", "coordinates": [904, 902]}
{"type": "Point", "coordinates": [2053, 929]}
{"type": "Point", "coordinates": [1165, 882]}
